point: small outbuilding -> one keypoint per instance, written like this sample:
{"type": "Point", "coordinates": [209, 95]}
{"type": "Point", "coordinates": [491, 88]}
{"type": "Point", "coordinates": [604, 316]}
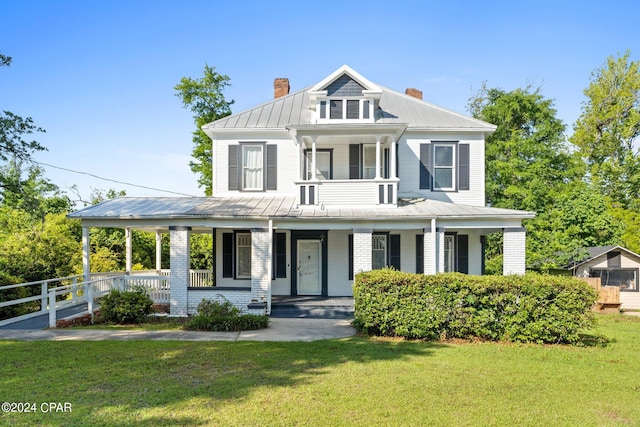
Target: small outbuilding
{"type": "Point", "coordinates": [615, 266]}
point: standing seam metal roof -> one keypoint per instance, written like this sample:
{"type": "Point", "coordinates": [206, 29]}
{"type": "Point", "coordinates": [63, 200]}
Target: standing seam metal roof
{"type": "Point", "coordinates": [397, 108]}
{"type": "Point", "coordinates": [280, 207]}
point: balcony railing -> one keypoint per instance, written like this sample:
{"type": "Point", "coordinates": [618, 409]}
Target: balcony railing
{"type": "Point", "coordinates": [348, 192]}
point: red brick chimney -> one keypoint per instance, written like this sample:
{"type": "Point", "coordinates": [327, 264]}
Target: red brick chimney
{"type": "Point", "coordinates": [280, 87]}
{"type": "Point", "coordinates": [413, 92]}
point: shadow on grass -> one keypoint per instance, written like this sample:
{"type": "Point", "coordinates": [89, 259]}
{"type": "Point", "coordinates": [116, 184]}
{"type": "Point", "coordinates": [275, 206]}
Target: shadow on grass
{"type": "Point", "coordinates": [109, 382]}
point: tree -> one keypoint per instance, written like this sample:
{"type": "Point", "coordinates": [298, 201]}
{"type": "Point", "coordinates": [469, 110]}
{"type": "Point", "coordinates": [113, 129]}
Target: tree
{"type": "Point", "coordinates": [205, 98]}
{"type": "Point", "coordinates": [34, 193]}
{"type": "Point", "coordinates": [581, 217]}
{"type": "Point", "coordinates": [527, 158]}
{"type": "Point", "coordinates": [14, 128]}
{"type": "Point", "coordinates": [608, 128]}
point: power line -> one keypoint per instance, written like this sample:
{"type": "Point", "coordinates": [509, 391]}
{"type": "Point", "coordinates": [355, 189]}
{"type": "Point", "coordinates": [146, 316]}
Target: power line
{"type": "Point", "coordinates": [113, 180]}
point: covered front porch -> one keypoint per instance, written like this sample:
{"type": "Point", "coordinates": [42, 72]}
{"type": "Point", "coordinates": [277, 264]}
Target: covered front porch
{"type": "Point", "coordinates": [271, 246]}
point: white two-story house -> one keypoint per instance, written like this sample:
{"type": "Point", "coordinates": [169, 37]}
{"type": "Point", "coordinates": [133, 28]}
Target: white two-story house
{"type": "Point", "coordinates": [317, 185]}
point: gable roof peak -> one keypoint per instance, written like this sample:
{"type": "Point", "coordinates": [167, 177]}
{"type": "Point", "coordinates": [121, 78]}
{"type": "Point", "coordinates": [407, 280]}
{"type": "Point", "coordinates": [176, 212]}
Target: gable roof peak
{"type": "Point", "coordinates": [369, 88]}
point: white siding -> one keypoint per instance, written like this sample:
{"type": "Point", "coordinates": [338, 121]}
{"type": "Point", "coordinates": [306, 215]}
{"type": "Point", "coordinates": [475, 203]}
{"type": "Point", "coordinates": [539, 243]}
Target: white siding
{"type": "Point", "coordinates": [409, 167]}
{"type": "Point", "coordinates": [287, 158]}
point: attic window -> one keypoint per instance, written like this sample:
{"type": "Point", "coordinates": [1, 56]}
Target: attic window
{"type": "Point", "coordinates": [345, 109]}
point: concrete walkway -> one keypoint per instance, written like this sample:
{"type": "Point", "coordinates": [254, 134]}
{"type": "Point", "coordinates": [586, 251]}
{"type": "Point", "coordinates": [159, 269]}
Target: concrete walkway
{"type": "Point", "coordinates": [278, 330]}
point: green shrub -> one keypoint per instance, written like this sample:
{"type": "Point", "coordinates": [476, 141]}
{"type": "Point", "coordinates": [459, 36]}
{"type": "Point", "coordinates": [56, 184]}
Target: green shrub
{"type": "Point", "coordinates": [212, 308]}
{"type": "Point", "coordinates": [530, 308]}
{"type": "Point", "coordinates": [126, 307]}
{"type": "Point", "coordinates": [224, 316]}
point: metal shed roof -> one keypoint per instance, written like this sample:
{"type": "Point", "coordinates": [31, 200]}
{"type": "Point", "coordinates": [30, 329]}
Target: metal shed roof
{"type": "Point", "coordinates": [264, 207]}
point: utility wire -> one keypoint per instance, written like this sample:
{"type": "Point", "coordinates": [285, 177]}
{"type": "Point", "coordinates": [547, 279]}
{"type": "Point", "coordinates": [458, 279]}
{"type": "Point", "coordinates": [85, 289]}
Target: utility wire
{"type": "Point", "coordinates": [112, 180]}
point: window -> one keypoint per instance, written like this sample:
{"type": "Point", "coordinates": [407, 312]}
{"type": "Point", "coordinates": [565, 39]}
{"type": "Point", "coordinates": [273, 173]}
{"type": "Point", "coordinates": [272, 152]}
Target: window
{"type": "Point", "coordinates": [626, 279]}
{"type": "Point", "coordinates": [369, 161]}
{"type": "Point", "coordinates": [344, 109]}
{"type": "Point", "coordinates": [449, 253]}
{"type": "Point", "coordinates": [253, 167]}
{"type": "Point", "coordinates": [379, 251]}
{"type": "Point", "coordinates": [445, 166]}
{"type": "Point", "coordinates": [335, 110]}
{"type": "Point", "coordinates": [443, 169]}
{"type": "Point", "coordinates": [324, 160]}
{"type": "Point", "coordinates": [353, 109]}
{"type": "Point", "coordinates": [252, 172]}
{"type": "Point", "coordinates": [243, 255]}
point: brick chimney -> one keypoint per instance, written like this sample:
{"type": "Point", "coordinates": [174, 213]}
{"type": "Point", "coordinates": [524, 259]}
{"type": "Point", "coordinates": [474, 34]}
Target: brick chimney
{"type": "Point", "coordinates": [280, 87]}
{"type": "Point", "coordinates": [413, 92]}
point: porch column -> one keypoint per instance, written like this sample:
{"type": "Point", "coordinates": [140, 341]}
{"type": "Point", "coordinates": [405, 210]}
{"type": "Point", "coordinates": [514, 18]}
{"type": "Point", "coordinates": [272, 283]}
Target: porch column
{"type": "Point", "coordinates": [158, 251]}
{"type": "Point", "coordinates": [429, 248]}
{"type": "Point", "coordinates": [261, 265]}
{"type": "Point", "coordinates": [393, 155]}
{"type": "Point", "coordinates": [86, 254]}
{"type": "Point", "coordinates": [439, 235]}
{"type": "Point", "coordinates": [179, 264]}
{"type": "Point", "coordinates": [128, 249]}
{"type": "Point", "coordinates": [300, 158]}
{"type": "Point", "coordinates": [514, 258]}
{"type": "Point", "coordinates": [362, 249]}
{"type": "Point", "coordinates": [378, 157]}
{"type": "Point", "coordinates": [313, 158]}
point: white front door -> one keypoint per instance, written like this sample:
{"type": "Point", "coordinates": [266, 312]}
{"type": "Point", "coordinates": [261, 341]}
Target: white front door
{"type": "Point", "coordinates": [309, 267]}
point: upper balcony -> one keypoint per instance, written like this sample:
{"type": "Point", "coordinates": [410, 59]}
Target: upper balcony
{"type": "Point", "coordinates": [346, 166]}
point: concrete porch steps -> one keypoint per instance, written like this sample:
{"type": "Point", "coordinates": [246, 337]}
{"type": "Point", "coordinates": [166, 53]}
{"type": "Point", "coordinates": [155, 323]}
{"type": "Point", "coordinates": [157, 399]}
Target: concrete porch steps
{"type": "Point", "coordinates": [312, 307]}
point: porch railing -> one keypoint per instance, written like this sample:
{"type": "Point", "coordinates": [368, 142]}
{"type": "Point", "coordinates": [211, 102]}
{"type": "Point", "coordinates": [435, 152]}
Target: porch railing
{"type": "Point", "coordinates": [348, 192]}
{"type": "Point", "coordinates": [197, 278]}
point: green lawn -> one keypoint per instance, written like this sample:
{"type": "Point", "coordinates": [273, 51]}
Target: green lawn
{"type": "Point", "coordinates": [354, 381]}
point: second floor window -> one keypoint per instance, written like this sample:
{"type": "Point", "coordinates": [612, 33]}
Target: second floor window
{"type": "Point", "coordinates": [443, 167]}
{"type": "Point", "coordinates": [252, 167]}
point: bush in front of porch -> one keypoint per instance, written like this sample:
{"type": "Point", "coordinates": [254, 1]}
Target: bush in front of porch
{"type": "Point", "coordinates": [531, 308]}
{"type": "Point", "coordinates": [224, 316]}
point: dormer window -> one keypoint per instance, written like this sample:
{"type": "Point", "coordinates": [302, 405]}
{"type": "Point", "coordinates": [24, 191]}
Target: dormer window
{"type": "Point", "coordinates": [345, 109]}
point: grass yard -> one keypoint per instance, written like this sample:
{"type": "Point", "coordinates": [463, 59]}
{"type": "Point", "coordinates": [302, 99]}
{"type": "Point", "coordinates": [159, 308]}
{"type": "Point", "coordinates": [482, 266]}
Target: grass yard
{"type": "Point", "coordinates": [354, 381]}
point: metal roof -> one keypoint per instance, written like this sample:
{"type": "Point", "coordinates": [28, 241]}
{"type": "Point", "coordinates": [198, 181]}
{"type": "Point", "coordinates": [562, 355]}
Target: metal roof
{"type": "Point", "coordinates": [280, 207]}
{"type": "Point", "coordinates": [395, 108]}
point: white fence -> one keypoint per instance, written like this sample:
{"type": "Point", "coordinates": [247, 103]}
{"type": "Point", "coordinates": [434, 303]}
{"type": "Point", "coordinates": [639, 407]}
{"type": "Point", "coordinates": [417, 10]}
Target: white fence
{"type": "Point", "coordinates": [156, 283]}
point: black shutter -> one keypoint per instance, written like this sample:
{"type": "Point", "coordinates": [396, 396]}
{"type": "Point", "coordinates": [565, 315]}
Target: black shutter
{"type": "Point", "coordinates": [463, 167]}
{"type": "Point", "coordinates": [463, 253]}
{"type": "Point", "coordinates": [354, 161]}
{"type": "Point", "coordinates": [272, 167]}
{"type": "Point", "coordinates": [394, 251]}
{"type": "Point", "coordinates": [280, 255]}
{"type": "Point", "coordinates": [420, 253]}
{"type": "Point", "coordinates": [234, 174]}
{"type": "Point", "coordinates": [425, 166]}
{"type": "Point", "coordinates": [227, 254]}
{"type": "Point", "coordinates": [350, 256]}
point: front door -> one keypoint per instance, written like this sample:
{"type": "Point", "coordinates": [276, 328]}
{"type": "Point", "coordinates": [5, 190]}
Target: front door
{"type": "Point", "coordinates": [309, 267]}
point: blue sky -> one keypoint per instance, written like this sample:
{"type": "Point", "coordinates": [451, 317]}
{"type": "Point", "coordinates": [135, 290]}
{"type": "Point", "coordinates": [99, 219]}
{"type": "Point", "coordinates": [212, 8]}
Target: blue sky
{"type": "Point", "coordinates": [99, 75]}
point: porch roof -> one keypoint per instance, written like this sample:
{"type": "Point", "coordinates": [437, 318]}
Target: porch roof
{"type": "Point", "coordinates": [278, 207]}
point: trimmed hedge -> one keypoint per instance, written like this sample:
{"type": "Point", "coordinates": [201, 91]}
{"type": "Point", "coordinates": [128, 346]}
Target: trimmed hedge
{"type": "Point", "coordinates": [531, 308]}
{"type": "Point", "coordinates": [224, 316]}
